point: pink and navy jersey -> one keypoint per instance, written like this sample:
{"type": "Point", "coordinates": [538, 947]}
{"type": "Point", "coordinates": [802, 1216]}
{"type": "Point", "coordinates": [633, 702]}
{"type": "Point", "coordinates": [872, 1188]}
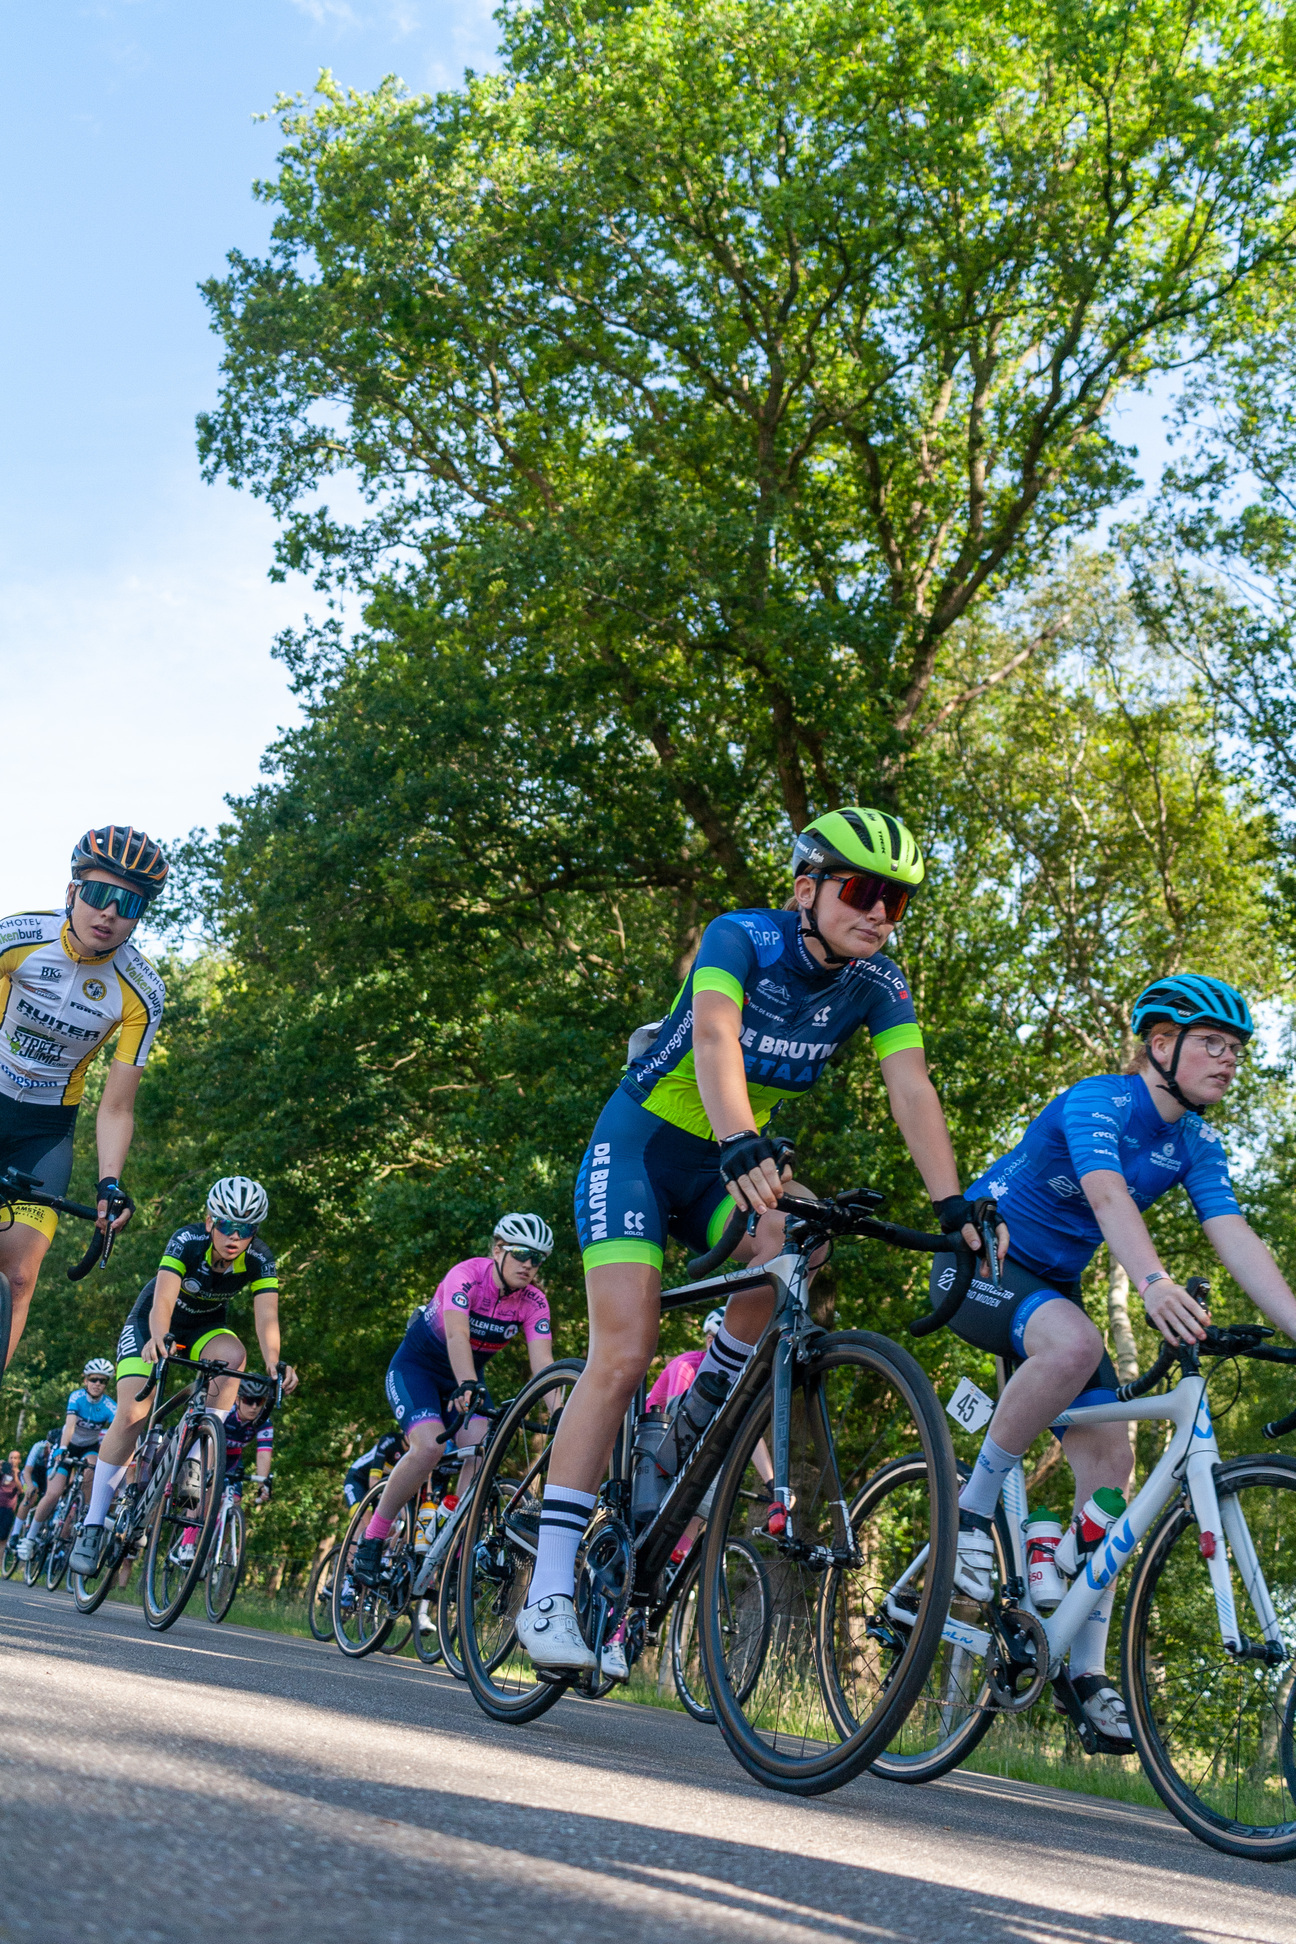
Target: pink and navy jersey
{"type": "Point", "coordinates": [675, 1379]}
{"type": "Point", "coordinates": [495, 1315]}
{"type": "Point", "coordinates": [240, 1433]}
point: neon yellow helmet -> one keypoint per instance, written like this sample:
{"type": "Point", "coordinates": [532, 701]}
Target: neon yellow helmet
{"type": "Point", "coordinates": [858, 840]}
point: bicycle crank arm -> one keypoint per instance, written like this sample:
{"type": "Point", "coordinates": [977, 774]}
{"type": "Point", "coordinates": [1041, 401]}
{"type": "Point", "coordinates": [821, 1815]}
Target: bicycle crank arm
{"type": "Point", "coordinates": [1021, 1649]}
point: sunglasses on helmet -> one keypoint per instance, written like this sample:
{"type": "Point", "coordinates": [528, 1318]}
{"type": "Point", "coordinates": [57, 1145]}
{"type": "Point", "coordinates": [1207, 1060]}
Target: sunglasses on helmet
{"type": "Point", "coordinates": [861, 893]}
{"type": "Point", "coordinates": [130, 904]}
{"type": "Point", "coordinates": [244, 1230]}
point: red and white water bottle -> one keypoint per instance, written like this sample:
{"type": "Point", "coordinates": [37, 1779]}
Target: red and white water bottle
{"type": "Point", "coordinates": [1090, 1525]}
{"type": "Point", "coordinates": [1044, 1583]}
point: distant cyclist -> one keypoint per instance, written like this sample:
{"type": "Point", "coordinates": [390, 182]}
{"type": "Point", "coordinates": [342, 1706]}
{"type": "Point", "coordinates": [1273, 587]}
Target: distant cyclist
{"type": "Point", "coordinates": [69, 980]}
{"type": "Point", "coordinates": [249, 1433]}
{"type": "Point", "coordinates": [770, 997]}
{"type": "Point", "coordinates": [478, 1308]}
{"type": "Point", "coordinates": [382, 1456]}
{"type": "Point", "coordinates": [1083, 1173]}
{"type": "Point", "coordinates": [205, 1267]}
{"type": "Point", "coordinates": [10, 1493]}
{"type": "Point", "coordinates": [89, 1413]}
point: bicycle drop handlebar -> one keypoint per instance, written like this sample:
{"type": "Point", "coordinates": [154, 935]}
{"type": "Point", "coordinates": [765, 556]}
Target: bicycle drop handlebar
{"type": "Point", "coordinates": [851, 1213]}
{"type": "Point", "coordinates": [25, 1187]}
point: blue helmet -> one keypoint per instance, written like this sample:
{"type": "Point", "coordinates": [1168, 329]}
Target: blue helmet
{"type": "Point", "coordinates": [1192, 1000]}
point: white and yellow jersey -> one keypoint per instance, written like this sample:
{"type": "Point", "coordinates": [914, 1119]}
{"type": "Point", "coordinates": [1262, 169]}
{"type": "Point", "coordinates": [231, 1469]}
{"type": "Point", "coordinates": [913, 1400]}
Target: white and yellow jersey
{"type": "Point", "coordinates": [57, 1007]}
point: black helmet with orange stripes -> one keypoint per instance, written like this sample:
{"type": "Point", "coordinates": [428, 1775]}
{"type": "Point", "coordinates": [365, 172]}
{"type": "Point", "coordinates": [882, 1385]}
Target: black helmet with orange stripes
{"type": "Point", "coordinates": [128, 853]}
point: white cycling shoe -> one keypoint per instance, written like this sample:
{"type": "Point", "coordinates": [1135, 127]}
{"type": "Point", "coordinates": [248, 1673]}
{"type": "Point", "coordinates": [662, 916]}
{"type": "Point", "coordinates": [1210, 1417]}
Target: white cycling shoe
{"type": "Point", "coordinates": [548, 1632]}
{"type": "Point", "coordinates": [614, 1664]}
{"type": "Point", "coordinates": [26, 1547]}
{"type": "Point", "coordinates": [1104, 1706]}
{"type": "Point", "coordinates": [975, 1563]}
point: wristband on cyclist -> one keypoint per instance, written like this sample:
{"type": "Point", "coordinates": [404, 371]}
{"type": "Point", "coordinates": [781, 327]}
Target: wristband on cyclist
{"type": "Point", "coordinates": [1152, 1276]}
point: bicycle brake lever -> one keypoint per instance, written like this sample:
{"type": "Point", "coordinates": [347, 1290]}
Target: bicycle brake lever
{"type": "Point", "coordinates": [991, 1244]}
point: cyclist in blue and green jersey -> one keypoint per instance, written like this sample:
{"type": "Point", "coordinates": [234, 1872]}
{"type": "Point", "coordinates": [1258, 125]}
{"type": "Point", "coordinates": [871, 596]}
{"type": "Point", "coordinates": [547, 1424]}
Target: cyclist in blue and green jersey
{"type": "Point", "coordinates": [769, 998]}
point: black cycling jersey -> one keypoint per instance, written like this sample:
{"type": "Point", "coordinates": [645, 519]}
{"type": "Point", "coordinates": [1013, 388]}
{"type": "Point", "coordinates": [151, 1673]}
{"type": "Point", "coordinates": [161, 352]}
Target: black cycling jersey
{"type": "Point", "coordinates": [208, 1285]}
{"type": "Point", "coordinates": [381, 1456]}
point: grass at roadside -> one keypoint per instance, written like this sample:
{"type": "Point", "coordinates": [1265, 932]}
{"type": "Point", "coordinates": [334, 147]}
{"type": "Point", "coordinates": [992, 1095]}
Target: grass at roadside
{"type": "Point", "coordinates": [272, 1612]}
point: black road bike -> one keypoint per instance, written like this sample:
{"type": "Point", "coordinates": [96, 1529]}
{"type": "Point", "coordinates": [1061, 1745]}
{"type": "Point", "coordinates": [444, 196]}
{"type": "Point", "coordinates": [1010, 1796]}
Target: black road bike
{"type": "Point", "coordinates": [789, 1612]}
{"type": "Point", "coordinates": [169, 1510]}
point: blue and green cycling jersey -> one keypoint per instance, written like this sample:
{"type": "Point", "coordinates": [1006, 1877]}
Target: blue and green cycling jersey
{"type": "Point", "coordinates": [795, 1014]}
{"type": "Point", "coordinates": [92, 1416]}
{"type": "Point", "coordinates": [1109, 1123]}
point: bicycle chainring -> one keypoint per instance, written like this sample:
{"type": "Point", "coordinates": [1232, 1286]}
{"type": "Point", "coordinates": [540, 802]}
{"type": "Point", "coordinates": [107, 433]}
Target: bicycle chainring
{"type": "Point", "coordinates": [604, 1575]}
{"type": "Point", "coordinates": [1027, 1659]}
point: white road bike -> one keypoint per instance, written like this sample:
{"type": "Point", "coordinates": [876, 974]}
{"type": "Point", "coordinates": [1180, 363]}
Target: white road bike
{"type": "Point", "coordinates": [1208, 1649]}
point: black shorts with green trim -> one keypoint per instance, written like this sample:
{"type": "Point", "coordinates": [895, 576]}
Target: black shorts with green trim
{"type": "Point", "coordinates": [643, 1179]}
{"type": "Point", "coordinates": [193, 1330]}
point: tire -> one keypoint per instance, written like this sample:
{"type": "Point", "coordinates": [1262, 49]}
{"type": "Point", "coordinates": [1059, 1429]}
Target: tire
{"type": "Point", "coordinates": [427, 1641]}
{"type": "Point", "coordinates": [749, 1610]}
{"type": "Point", "coordinates": [60, 1546]}
{"type": "Point", "coordinates": [192, 1498]}
{"type": "Point", "coordinates": [362, 1615]}
{"type": "Point", "coordinates": [90, 1594]}
{"type": "Point", "coordinates": [447, 1620]}
{"type": "Point", "coordinates": [33, 1567]}
{"type": "Point", "coordinates": [1215, 1734]}
{"type": "Point", "coordinates": [498, 1550]}
{"type": "Point", "coordinates": [319, 1595]}
{"type": "Point", "coordinates": [225, 1567]}
{"type": "Point", "coordinates": [9, 1560]}
{"type": "Point", "coordinates": [954, 1711]}
{"type": "Point", "coordinates": [400, 1636]}
{"type": "Point", "coordinates": [861, 1403]}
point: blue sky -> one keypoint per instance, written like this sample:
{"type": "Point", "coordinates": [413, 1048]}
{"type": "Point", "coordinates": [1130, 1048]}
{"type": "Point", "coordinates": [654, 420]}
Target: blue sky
{"type": "Point", "coordinates": [136, 620]}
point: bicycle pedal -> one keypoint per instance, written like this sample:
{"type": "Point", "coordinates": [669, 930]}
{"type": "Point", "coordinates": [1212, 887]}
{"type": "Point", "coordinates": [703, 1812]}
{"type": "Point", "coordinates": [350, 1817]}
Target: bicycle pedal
{"type": "Point", "coordinates": [553, 1676]}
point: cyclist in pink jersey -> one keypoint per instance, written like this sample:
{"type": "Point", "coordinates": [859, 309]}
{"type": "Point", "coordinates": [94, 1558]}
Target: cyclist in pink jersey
{"type": "Point", "coordinates": [475, 1310]}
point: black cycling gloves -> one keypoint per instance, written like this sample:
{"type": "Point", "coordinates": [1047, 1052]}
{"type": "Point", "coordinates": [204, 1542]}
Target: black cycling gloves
{"type": "Point", "coordinates": [952, 1212]}
{"type": "Point", "coordinates": [110, 1189]}
{"type": "Point", "coordinates": [743, 1153]}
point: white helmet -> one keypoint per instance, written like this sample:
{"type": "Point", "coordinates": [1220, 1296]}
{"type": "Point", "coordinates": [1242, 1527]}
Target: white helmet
{"type": "Point", "coordinates": [713, 1321]}
{"type": "Point", "coordinates": [525, 1232]}
{"type": "Point", "coordinates": [98, 1367]}
{"type": "Point", "coordinates": [236, 1198]}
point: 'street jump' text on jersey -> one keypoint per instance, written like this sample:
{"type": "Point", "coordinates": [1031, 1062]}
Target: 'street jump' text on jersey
{"type": "Point", "coordinates": [1109, 1123]}
{"type": "Point", "coordinates": [57, 1008]}
{"type": "Point", "coordinates": [795, 1014]}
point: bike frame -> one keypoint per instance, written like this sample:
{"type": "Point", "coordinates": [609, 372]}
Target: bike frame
{"type": "Point", "coordinates": [1189, 1460]}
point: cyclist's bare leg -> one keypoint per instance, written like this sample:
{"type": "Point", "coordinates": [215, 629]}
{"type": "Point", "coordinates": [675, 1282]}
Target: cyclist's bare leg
{"type": "Point", "coordinates": [747, 1314]}
{"type": "Point", "coordinates": [1062, 1351]}
{"type": "Point", "coordinates": [22, 1250]}
{"type": "Point", "coordinates": [53, 1493]}
{"type": "Point", "coordinates": [225, 1349]}
{"type": "Point", "coordinates": [427, 1448]}
{"type": "Point", "coordinates": [120, 1438]}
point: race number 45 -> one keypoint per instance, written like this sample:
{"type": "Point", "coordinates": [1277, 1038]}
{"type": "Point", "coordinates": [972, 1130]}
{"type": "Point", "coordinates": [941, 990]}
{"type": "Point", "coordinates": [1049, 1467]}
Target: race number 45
{"type": "Point", "coordinates": [969, 1406]}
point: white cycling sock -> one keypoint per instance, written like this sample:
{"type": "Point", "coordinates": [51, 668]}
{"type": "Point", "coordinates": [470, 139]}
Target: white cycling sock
{"type": "Point", "coordinates": [981, 1493]}
{"type": "Point", "coordinates": [727, 1354]}
{"type": "Point", "coordinates": [1089, 1648]}
{"type": "Point", "coordinates": [564, 1516]}
{"type": "Point", "coordinates": [36, 1527]}
{"type": "Point", "coordinates": [106, 1480]}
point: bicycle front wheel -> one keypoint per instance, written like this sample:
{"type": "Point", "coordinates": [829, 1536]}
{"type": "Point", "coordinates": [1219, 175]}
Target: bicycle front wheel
{"type": "Point", "coordinates": [447, 1611]}
{"type": "Point", "coordinates": [183, 1524]}
{"type": "Point", "coordinates": [90, 1590]}
{"type": "Point", "coordinates": [319, 1596]}
{"type": "Point", "coordinates": [363, 1616]}
{"type": "Point", "coordinates": [60, 1547]}
{"type": "Point", "coordinates": [955, 1709]}
{"type": "Point", "coordinates": [501, 1532]}
{"type": "Point", "coordinates": [9, 1560]}
{"type": "Point", "coordinates": [225, 1568]}
{"type": "Point", "coordinates": [857, 1406]}
{"type": "Point", "coordinates": [1214, 1732]}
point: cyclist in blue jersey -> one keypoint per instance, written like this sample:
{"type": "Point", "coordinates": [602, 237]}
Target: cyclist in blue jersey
{"type": "Point", "coordinates": [90, 1411]}
{"type": "Point", "coordinates": [1082, 1174]}
{"type": "Point", "coordinates": [768, 1000]}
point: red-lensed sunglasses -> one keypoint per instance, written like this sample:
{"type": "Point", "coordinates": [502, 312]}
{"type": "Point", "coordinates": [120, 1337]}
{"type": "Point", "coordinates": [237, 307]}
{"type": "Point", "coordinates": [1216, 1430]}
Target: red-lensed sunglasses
{"type": "Point", "coordinates": [863, 892]}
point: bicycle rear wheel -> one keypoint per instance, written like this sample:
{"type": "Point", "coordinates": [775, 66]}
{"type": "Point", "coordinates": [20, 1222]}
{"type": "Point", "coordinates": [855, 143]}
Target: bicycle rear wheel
{"type": "Point", "coordinates": [319, 1595]}
{"type": "Point", "coordinates": [9, 1560]}
{"type": "Point", "coordinates": [363, 1616]}
{"type": "Point", "coordinates": [225, 1568]}
{"type": "Point", "coordinates": [1215, 1734]}
{"type": "Point", "coordinates": [35, 1564]}
{"type": "Point", "coordinates": [955, 1709]}
{"type": "Point", "coordinates": [498, 1551]}
{"type": "Point", "coordinates": [89, 1591]}
{"type": "Point", "coordinates": [857, 1406]}
{"type": "Point", "coordinates": [748, 1615]}
{"type": "Point", "coordinates": [190, 1502]}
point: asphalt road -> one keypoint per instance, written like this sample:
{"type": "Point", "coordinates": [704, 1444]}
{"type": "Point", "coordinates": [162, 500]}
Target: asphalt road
{"type": "Point", "coordinates": [223, 1784]}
